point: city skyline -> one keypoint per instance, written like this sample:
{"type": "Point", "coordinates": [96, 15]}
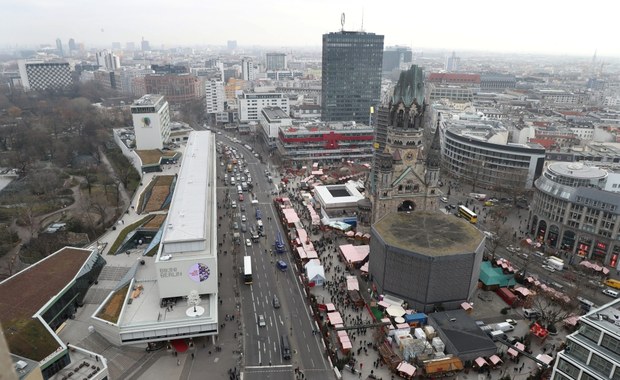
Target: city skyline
{"type": "Point", "coordinates": [478, 25]}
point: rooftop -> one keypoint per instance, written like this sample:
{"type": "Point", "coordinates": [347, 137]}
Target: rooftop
{"type": "Point", "coordinates": [334, 195]}
{"type": "Point", "coordinates": [148, 100]}
{"type": "Point", "coordinates": [322, 127]}
{"type": "Point", "coordinates": [576, 170]}
{"type": "Point", "coordinates": [274, 113]}
{"type": "Point", "coordinates": [429, 233]}
{"type": "Point", "coordinates": [462, 331]}
{"type": "Point", "coordinates": [27, 292]}
{"type": "Point", "coordinates": [607, 317]}
{"type": "Point", "coordinates": [188, 222]}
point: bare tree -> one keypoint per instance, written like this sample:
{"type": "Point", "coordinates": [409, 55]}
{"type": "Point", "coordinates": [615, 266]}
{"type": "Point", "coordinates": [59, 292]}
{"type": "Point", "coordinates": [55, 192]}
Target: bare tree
{"type": "Point", "coordinates": [552, 309]}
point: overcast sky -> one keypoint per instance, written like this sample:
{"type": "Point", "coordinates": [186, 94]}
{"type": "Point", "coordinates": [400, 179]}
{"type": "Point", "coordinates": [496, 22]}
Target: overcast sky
{"type": "Point", "coordinates": [490, 25]}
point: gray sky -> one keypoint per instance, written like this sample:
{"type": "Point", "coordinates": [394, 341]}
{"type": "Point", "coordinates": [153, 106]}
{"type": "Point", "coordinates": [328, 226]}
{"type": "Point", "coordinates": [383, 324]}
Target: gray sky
{"type": "Point", "coordinates": [517, 26]}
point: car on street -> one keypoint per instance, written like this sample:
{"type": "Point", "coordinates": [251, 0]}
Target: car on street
{"type": "Point", "coordinates": [444, 199]}
{"type": "Point", "coordinates": [235, 226]}
{"type": "Point", "coordinates": [233, 204]}
{"type": "Point", "coordinates": [244, 227]}
{"type": "Point", "coordinates": [248, 242]}
{"type": "Point", "coordinates": [276, 302]}
{"type": "Point", "coordinates": [242, 208]}
{"type": "Point", "coordinates": [548, 268]}
{"type": "Point", "coordinates": [281, 265]}
{"type": "Point", "coordinates": [511, 321]}
{"type": "Point", "coordinates": [243, 218]}
{"type": "Point", "coordinates": [261, 321]}
{"type": "Point", "coordinates": [240, 197]}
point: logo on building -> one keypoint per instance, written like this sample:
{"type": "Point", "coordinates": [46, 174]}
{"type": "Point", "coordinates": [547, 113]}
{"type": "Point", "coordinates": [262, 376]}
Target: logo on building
{"type": "Point", "coordinates": [199, 272]}
{"type": "Point", "coordinates": [146, 122]}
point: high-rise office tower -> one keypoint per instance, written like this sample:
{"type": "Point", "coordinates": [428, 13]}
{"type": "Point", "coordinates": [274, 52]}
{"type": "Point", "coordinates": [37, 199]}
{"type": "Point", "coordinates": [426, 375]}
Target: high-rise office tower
{"type": "Point", "coordinates": [38, 75]}
{"type": "Point", "coordinates": [108, 61]}
{"type": "Point", "coordinates": [394, 56]}
{"type": "Point", "coordinates": [351, 75]}
{"type": "Point", "coordinates": [72, 45]}
{"type": "Point", "coordinates": [59, 47]}
{"type": "Point", "coordinates": [452, 63]}
{"type": "Point", "coordinates": [247, 69]}
{"type": "Point", "coordinates": [275, 61]}
{"type": "Point", "coordinates": [145, 45]}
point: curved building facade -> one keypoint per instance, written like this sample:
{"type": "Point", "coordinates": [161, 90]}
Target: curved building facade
{"type": "Point", "coordinates": [570, 212]}
{"type": "Point", "coordinates": [478, 153]}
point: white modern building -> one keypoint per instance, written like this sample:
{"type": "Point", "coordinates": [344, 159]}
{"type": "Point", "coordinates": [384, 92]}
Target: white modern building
{"type": "Point", "coordinates": [248, 70]}
{"type": "Point", "coordinates": [36, 75]}
{"type": "Point", "coordinates": [151, 121]}
{"type": "Point", "coordinates": [271, 119]}
{"type": "Point", "coordinates": [338, 202]}
{"type": "Point", "coordinates": [108, 61]}
{"type": "Point", "coordinates": [214, 96]}
{"type": "Point", "coordinates": [251, 104]}
{"type": "Point", "coordinates": [155, 291]}
{"type": "Point", "coordinates": [593, 351]}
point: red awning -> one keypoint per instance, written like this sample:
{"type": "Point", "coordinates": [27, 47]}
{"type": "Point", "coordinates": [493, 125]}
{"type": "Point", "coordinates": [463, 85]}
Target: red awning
{"type": "Point", "coordinates": [179, 345]}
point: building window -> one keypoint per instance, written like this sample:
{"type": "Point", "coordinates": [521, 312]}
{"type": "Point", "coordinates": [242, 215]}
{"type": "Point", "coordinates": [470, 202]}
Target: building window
{"type": "Point", "coordinates": [568, 368]}
{"type": "Point", "coordinates": [611, 343]}
{"type": "Point", "coordinates": [601, 365]}
{"type": "Point", "coordinates": [577, 351]}
{"type": "Point", "coordinates": [590, 332]}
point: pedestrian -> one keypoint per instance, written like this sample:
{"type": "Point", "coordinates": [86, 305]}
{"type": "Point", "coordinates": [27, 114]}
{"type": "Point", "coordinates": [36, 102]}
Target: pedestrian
{"type": "Point", "coordinates": [192, 356]}
{"type": "Point", "coordinates": [178, 361]}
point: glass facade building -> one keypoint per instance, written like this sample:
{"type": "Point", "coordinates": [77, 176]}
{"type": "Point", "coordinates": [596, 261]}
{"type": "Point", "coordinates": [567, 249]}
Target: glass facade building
{"type": "Point", "coordinates": [351, 75]}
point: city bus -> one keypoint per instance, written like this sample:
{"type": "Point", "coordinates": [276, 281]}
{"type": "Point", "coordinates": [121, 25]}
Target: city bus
{"type": "Point", "coordinates": [247, 270]}
{"type": "Point", "coordinates": [612, 283]}
{"type": "Point", "coordinates": [466, 213]}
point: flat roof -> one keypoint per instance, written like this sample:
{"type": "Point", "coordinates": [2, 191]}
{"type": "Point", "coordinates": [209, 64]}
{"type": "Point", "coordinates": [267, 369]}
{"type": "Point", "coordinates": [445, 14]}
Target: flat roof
{"type": "Point", "coordinates": [25, 293]}
{"type": "Point", "coordinates": [462, 331]}
{"type": "Point", "coordinates": [606, 317]}
{"type": "Point", "coordinates": [429, 233]}
{"type": "Point", "coordinates": [577, 170]}
{"type": "Point", "coordinates": [334, 195]}
{"type": "Point", "coordinates": [274, 113]}
{"type": "Point", "coordinates": [186, 219]}
{"type": "Point", "coordinates": [147, 100]}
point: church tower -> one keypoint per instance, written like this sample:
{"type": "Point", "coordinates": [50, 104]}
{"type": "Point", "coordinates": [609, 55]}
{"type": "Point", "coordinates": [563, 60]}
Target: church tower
{"type": "Point", "coordinates": [403, 177]}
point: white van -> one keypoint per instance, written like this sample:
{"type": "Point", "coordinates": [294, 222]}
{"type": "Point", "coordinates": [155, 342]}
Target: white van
{"type": "Point", "coordinates": [611, 293]}
{"type": "Point", "coordinates": [239, 189]}
{"type": "Point", "coordinates": [531, 313]}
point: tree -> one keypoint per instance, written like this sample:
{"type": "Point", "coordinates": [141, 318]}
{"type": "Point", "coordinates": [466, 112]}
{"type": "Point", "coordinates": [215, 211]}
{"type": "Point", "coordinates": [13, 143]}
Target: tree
{"type": "Point", "coordinates": [552, 309]}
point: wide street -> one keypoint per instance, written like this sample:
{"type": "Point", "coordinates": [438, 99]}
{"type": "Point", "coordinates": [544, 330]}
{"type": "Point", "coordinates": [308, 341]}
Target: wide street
{"type": "Point", "coordinates": [262, 354]}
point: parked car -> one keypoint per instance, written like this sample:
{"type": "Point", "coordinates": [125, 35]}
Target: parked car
{"type": "Point", "coordinates": [444, 199]}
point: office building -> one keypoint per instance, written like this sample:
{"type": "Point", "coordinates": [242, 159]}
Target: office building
{"type": "Point", "coordinates": [59, 47]}
{"type": "Point", "coordinates": [571, 211]}
{"type": "Point", "coordinates": [151, 122]}
{"type": "Point", "coordinates": [413, 253]}
{"type": "Point", "coordinates": [593, 351]}
{"type": "Point", "coordinates": [452, 63]}
{"type": "Point", "coordinates": [395, 56]}
{"type": "Point", "coordinates": [248, 70]}
{"type": "Point", "coordinates": [40, 75]}
{"type": "Point", "coordinates": [351, 75]}
{"type": "Point", "coordinates": [144, 45]}
{"type": "Point", "coordinates": [478, 152]}
{"type": "Point", "coordinates": [108, 61]}
{"type": "Point", "coordinates": [214, 96]}
{"type": "Point", "coordinates": [326, 142]}
{"type": "Point", "coordinates": [494, 81]}
{"type": "Point", "coordinates": [275, 61]}
{"type": "Point", "coordinates": [271, 120]}
{"type": "Point", "coordinates": [251, 104]}
{"type": "Point", "coordinates": [177, 89]}
{"type": "Point", "coordinates": [72, 45]}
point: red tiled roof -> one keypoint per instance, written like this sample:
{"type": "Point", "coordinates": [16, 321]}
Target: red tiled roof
{"type": "Point", "coordinates": [547, 143]}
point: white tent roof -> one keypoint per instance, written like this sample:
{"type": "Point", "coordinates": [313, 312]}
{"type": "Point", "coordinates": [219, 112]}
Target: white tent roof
{"type": "Point", "coordinates": [315, 270]}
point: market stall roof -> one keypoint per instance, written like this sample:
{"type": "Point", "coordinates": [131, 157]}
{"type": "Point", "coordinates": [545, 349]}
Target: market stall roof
{"type": "Point", "coordinates": [364, 267]}
{"type": "Point", "coordinates": [330, 307]}
{"type": "Point", "coordinates": [512, 352]}
{"type": "Point", "coordinates": [354, 253]}
{"type": "Point", "coordinates": [406, 368]}
{"type": "Point", "coordinates": [544, 358]}
{"type": "Point", "coordinates": [523, 291]}
{"type": "Point", "coordinates": [395, 311]}
{"type": "Point", "coordinates": [335, 318]}
{"type": "Point", "coordinates": [480, 362]}
{"type": "Point", "coordinates": [466, 306]}
{"type": "Point", "coordinates": [495, 359]}
{"type": "Point", "coordinates": [352, 283]}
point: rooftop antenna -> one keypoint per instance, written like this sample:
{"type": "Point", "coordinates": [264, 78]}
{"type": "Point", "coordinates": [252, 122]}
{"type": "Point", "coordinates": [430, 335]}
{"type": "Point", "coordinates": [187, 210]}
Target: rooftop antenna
{"type": "Point", "coordinates": [362, 20]}
{"type": "Point", "coordinates": [342, 21]}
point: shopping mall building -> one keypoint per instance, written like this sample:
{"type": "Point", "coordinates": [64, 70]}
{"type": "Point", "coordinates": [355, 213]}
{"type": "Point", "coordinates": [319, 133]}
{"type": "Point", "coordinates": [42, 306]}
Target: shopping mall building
{"type": "Point", "coordinates": [571, 212]}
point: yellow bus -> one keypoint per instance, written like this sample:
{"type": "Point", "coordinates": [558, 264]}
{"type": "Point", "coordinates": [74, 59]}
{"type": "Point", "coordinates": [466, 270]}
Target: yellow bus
{"type": "Point", "coordinates": [466, 213]}
{"type": "Point", "coordinates": [612, 283]}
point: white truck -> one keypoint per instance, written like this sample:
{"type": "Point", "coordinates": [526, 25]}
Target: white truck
{"type": "Point", "coordinates": [555, 263]}
{"type": "Point", "coordinates": [504, 326]}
